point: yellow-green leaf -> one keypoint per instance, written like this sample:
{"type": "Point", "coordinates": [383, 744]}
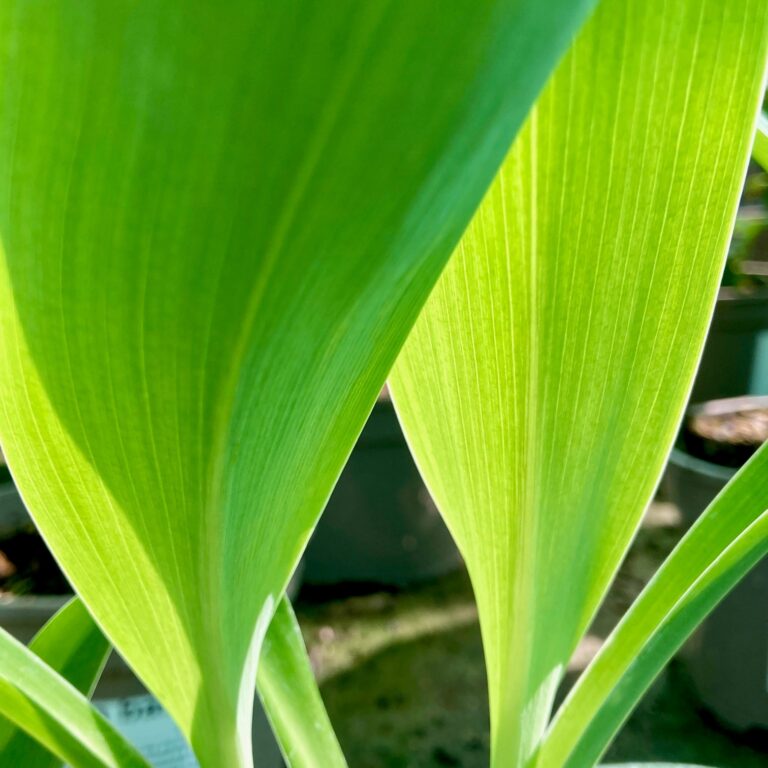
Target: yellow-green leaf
{"type": "Point", "coordinates": [291, 699]}
{"type": "Point", "coordinates": [542, 387]}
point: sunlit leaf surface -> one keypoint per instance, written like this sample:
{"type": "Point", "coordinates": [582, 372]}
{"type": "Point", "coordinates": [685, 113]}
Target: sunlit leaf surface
{"type": "Point", "coordinates": [219, 221]}
{"type": "Point", "coordinates": [543, 385]}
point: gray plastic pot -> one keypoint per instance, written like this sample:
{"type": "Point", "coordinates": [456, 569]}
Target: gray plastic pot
{"type": "Point", "coordinates": [692, 483]}
{"type": "Point", "coordinates": [380, 525]}
{"type": "Point", "coordinates": [13, 515]}
{"type": "Point", "coordinates": [735, 357]}
{"type": "Point", "coordinates": [119, 695]}
{"type": "Point", "coordinates": [727, 657]}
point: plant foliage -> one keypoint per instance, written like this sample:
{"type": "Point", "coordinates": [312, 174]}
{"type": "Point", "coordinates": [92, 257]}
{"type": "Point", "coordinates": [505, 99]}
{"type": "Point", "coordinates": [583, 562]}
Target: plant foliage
{"type": "Point", "coordinates": [543, 385]}
{"type": "Point", "coordinates": [218, 223]}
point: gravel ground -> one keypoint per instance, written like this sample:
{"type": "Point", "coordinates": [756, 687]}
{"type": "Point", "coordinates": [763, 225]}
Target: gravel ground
{"type": "Point", "coordinates": [402, 675]}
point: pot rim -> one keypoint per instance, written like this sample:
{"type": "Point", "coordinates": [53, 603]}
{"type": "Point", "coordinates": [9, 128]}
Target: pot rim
{"type": "Point", "coordinates": [31, 604]}
{"type": "Point", "coordinates": [728, 405]}
{"type": "Point", "coordinates": [684, 460]}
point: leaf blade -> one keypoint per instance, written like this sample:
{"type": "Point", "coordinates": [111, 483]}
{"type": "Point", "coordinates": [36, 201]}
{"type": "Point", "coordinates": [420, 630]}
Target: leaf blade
{"type": "Point", "coordinates": [291, 699]}
{"type": "Point", "coordinates": [543, 384]}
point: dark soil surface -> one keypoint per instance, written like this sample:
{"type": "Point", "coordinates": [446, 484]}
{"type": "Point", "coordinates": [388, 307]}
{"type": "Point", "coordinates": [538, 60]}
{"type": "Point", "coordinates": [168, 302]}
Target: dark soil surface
{"type": "Point", "coordinates": [728, 439]}
{"type": "Point", "coordinates": [749, 427]}
{"type": "Point", "coordinates": [403, 678]}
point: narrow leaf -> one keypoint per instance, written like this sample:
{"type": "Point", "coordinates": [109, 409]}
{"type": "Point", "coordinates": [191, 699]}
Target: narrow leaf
{"type": "Point", "coordinates": [72, 645]}
{"type": "Point", "coordinates": [219, 221]}
{"type": "Point", "coordinates": [727, 540]}
{"type": "Point", "coordinates": [291, 698]}
{"type": "Point", "coordinates": [55, 714]}
{"type": "Point", "coordinates": [542, 387]}
{"type": "Point", "coordinates": [760, 149]}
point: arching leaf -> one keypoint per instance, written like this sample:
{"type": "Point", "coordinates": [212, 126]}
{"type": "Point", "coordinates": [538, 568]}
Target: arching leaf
{"type": "Point", "coordinates": [543, 385]}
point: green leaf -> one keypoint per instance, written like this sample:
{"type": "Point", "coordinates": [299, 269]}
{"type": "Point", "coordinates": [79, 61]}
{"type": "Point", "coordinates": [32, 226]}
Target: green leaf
{"type": "Point", "coordinates": [219, 222]}
{"type": "Point", "coordinates": [542, 387]}
{"type": "Point", "coordinates": [760, 148]}
{"type": "Point", "coordinates": [291, 699]}
{"type": "Point", "coordinates": [72, 645]}
{"type": "Point", "coordinates": [727, 540]}
{"type": "Point", "coordinates": [55, 714]}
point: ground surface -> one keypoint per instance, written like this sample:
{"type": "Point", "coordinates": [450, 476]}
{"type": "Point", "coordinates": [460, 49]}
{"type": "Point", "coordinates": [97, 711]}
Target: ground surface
{"type": "Point", "coordinates": [403, 679]}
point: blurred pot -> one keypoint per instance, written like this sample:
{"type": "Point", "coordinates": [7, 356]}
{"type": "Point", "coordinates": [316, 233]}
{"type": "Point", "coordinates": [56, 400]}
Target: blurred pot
{"type": "Point", "coordinates": [12, 512]}
{"type": "Point", "coordinates": [727, 657]}
{"type": "Point", "coordinates": [735, 357]}
{"type": "Point", "coordinates": [381, 525]}
{"type": "Point", "coordinates": [692, 483]}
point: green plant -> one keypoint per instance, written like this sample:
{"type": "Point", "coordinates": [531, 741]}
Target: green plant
{"type": "Point", "coordinates": [566, 384]}
{"type": "Point", "coordinates": [219, 222]}
{"type": "Point", "coordinates": [219, 225]}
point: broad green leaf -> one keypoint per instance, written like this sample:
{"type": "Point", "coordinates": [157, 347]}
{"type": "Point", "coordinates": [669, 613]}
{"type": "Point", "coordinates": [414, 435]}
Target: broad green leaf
{"type": "Point", "coordinates": [760, 149]}
{"type": "Point", "coordinates": [291, 699]}
{"type": "Point", "coordinates": [219, 221]}
{"type": "Point", "coordinates": [543, 384]}
{"type": "Point", "coordinates": [72, 645]}
{"type": "Point", "coordinates": [727, 540]}
{"type": "Point", "coordinates": [57, 715]}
